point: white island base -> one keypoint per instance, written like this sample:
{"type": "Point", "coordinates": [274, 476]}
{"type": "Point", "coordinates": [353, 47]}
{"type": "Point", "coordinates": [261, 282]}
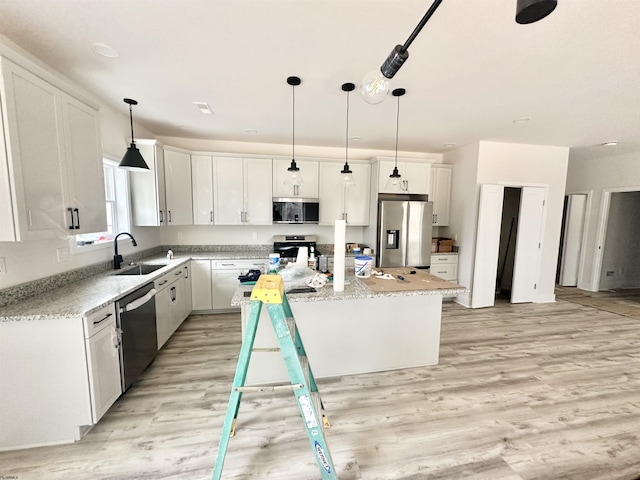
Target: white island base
{"type": "Point", "coordinates": [349, 336]}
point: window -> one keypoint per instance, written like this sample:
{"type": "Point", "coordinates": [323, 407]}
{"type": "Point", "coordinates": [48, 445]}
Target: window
{"type": "Point", "coordinates": [117, 209]}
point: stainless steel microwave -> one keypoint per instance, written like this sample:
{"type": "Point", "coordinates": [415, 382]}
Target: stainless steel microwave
{"type": "Point", "coordinates": [296, 210]}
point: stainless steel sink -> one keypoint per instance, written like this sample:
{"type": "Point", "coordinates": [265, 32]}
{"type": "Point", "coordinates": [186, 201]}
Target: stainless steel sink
{"type": "Point", "coordinates": [142, 269]}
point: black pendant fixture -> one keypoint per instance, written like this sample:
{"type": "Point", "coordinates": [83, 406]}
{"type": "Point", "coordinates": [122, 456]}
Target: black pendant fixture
{"type": "Point", "coordinates": [347, 174]}
{"type": "Point", "coordinates": [529, 11]}
{"type": "Point", "coordinates": [395, 179]}
{"type": "Point", "coordinates": [132, 159]}
{"type": "Point", "coordinates": [295, 177]}
{"type": "Point", "coordinates": [375, 84]}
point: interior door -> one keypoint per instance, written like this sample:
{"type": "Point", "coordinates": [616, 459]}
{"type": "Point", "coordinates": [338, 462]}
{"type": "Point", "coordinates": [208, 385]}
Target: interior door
{"type": "Point", "coordinates": [572, 246]}
{"type": "Point", "coordinates": [485, 267]}
{"type": "Point", "coordinates": [528, 245]}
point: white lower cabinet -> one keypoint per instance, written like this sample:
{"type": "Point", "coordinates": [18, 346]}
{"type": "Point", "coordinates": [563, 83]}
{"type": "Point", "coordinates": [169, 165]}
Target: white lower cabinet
{"type": "Point", "coordinates": [445, 266]}
{"type": "Point", "coordinates": [201, 290]}
{"type": "Point", "coordinates": [103, 360]}
{"type": "Point", "coordinates": [224, 279]}
{"type": "Point", "coordinates": [171, 303]}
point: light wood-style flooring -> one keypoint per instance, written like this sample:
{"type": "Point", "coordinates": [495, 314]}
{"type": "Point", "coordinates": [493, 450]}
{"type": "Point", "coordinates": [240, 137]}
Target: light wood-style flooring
{"type": "Point", "coordinates": [548, 391]}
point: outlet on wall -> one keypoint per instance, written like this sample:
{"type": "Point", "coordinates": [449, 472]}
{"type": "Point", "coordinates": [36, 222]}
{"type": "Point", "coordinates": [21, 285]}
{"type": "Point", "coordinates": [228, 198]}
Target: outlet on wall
{"type": "Point", "coordinates": [63, 254]}
{"type": "Point", "coordinates": [3, 266]}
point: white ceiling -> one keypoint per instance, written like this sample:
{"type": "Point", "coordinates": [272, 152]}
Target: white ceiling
{"type": "Point", "coordinates": [471, 71]}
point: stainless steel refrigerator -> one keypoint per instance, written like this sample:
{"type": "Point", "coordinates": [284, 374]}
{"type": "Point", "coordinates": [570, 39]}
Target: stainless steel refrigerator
{"type": "Point", "coordinates": [404, 231]}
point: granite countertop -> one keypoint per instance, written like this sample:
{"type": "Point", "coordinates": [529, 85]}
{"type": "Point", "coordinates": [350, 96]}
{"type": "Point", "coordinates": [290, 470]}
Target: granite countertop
{"type": "Point", "coordinates": [88, 295]}
{"type": "Point", "coordinates": [354, 289]}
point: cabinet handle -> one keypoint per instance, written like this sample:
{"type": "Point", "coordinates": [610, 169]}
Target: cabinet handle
{"type": "Point", "coordinates": [169, 214]}
{"type": "Point", "coordinates": [211, 213]}
{"type": "Point", "coordinates": [98, 322]}
{"type": "Point", "coordinates": [186, 272]}
{"type": "Point", "coordinates": [436, 218]}
{"type": "Point", "coordinates": [77, 217]}
{"type": "Point", "coordinates": [178, 273]}
{"type": "Point", "coordinates": [173, 294]}
{"type": "Point", "coordinates": [163, 282]}
{"type": "Point", "coordinates": [72, 226]}
{"type": "Point", "coordinates": [228, 264]}
{"type": "Point", "coordinates": [161, 216]}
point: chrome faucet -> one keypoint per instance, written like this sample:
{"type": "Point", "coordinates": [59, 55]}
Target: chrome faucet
{"type": "Point", "coordinates": [117, 259]}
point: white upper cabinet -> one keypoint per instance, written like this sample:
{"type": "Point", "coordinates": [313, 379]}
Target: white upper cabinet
{"type": "Point", "coordinates": [148, 200]}
{"type": "Point", "coordinates": [282, 186]}
{"type": "Point", "coordinates": [338, 202]}
{"type": "Point", "coordinates": [242, 191]}
{"type": "Point", "coordinates": [202, 182]}
{"type": "Point", "coordinates": [47, 136]}
{"type": "Point", "coordinates": [440, 193]}
{"type": "Point", "coordinates": [415, 176]}
{"type": "Point", "coordinates": [177, 178]}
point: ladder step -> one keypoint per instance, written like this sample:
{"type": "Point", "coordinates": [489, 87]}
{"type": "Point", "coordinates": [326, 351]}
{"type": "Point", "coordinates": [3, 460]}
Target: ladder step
{"type": "Point", "coordinates": [265, 349]}
{"type": "Point", "coordinates": [270, 388]}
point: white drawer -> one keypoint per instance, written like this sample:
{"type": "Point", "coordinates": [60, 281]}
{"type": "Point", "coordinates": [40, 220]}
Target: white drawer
{"type": "Point", "coordinates": [96, 321]}
{"type": "Point", "coordinates": [445, 271]}
{"type": "Point", "coordinates": [167, 279]}
{"type": "Point", "coordinates": [257, 264]}
{"type": "Point", "coordinates": [440, 259]}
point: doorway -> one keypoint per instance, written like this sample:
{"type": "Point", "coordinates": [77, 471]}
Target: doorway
{"type": "Point", "coordinates": [508, 244]}
{"type": "Point", "coordinates": [570, 253]}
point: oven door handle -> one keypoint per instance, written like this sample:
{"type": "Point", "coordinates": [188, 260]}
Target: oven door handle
{"type": "Point", "coordinates": [138, 302]}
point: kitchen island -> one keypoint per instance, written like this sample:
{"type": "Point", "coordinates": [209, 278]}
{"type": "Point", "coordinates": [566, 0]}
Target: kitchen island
{"type": "Point", "coordinates": [373, 325]}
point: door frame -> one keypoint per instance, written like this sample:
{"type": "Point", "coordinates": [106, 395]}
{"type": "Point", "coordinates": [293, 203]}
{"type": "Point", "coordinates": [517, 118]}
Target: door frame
{"type": "Point", "coordinates": [601, 232]}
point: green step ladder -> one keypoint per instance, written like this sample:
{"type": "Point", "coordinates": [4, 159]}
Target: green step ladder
{"type": "Point", "coordinates": [269, 290]}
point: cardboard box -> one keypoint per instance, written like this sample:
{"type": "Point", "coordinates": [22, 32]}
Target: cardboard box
{"type": "Point", "coordinates": [445, 245]}
{"type": "Point", "coordinates": [434, 245]}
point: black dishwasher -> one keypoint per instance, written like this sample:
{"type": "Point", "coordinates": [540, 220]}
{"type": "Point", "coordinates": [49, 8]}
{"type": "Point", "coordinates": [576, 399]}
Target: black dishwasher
{"type": "Point", "coordinates": [137, 323]}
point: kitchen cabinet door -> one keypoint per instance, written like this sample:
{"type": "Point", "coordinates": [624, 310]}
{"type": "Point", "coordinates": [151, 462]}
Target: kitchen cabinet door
{"type": "Point", "coordinates": [85, 175]}
{"type": "Point", "coordinates": [35, 147]}
{"type": "Point", "coordinates": [201, 288]}
{"type": "Point", "coordinates": [202, 182]}
{"type": "Point", "coordinates": [257, 191]}
{"type": "Point", "coordinates": [225, 282]}
{"type": "Point", "coordinates": [53, 149]}
{"type": "Point", "coordinates": [148, 200]}
{"type": "Point", "coordinates": [440, 193]}
{"type": "Point", "coordinates": [415, 176]}
{"type": "Point", "coordinates": [103, 360]}
{"type": "Point", "coordinates": [177, 167]}
{"type": "Point", "coordinates": [228, 193]}
{"type": "Point", "coordinates": [309, 170]}
{"type": "Point", "coordinates": [338, 202]}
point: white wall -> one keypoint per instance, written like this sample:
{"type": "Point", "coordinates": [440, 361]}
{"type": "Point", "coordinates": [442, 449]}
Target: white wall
{"type": "Point", "coordinates": [508, 164]}
{"type": "Point", "coordinates": [591, 176]}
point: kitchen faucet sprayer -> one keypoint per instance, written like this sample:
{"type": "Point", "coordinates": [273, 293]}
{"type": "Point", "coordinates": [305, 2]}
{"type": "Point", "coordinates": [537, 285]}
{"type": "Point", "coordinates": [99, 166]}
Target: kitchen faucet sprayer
{"type": "Point", "coordinates": [117, 259]}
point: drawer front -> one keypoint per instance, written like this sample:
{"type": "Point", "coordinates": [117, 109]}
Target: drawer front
{"type": "Point", "coordinates": [165, 280]}
{"type": "Point", "coordinates": [96, 321]}
{"type": "Point", "coordinates": [438, 259]}
{"type": "Point", "coordinates": [446, 271]}
{"type": "Point", "coordinates": [244, 265]}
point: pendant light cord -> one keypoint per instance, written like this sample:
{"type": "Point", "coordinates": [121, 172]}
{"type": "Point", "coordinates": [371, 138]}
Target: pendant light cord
{"type": "Point", "coordinates": [293, 129]}
{"type": "Point", "coordinates": [346, 149]}
{"type": "Point", "coordinates": [131, 120]}
{"type": "Point", "coordinates": [397, 128]}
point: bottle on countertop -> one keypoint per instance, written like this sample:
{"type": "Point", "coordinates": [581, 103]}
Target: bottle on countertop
{"type": "Point", "coordinates": [170, 255]}
{"type": "Point", "coordinates": [311, 261]}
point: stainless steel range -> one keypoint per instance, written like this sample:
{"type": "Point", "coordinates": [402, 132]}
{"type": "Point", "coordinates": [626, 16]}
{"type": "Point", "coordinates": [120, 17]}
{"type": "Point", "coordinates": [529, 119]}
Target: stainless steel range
{"type": "Point", "coordinates": [287, 245]}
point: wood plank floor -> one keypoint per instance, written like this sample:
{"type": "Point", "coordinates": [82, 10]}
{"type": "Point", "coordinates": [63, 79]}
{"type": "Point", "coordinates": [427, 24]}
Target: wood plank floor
{"type": "Point", "coordinates": [547, 391]}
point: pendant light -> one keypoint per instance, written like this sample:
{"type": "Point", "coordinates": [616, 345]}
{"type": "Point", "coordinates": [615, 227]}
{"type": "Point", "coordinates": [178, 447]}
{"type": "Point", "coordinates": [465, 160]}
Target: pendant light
{"type": "Point", "coordinates": [347, 174]}
{"type": "Point", "coordinates": [294, 179]}
{"type": "Point", "coordinates": [375, 84]}
{"type": "Point", "coordinates": [395, 182]}
{"type": "Point", "coordinates": [529, 11]}
{"type": "Point", "coordinates": [132, 159]}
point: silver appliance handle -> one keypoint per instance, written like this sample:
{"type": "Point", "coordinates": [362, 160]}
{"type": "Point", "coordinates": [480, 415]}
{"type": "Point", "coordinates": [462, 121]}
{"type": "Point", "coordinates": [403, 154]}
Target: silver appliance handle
{"type": "Point", "coordinates": [138, 302]}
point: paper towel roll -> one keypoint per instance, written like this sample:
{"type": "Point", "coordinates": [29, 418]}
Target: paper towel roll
{"type": "Point", "coordinates": [338, 255]}
{"type": "Point", "coordinates": [303, 256]}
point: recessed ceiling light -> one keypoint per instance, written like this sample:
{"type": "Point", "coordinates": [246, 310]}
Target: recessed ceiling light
{"type": "Point", "coordinates": [449, 145]}
{"type": "Point", "coordinates": [251, 131]}
{"type": "Point", "coordinates": [522, 120]}
{"type": "Point", "coordinates": [204, 108]}
{"type": "Point", "coordinates": [355, 137]}
{"type": "Point", "coordinates": [105, 50]}
{"type": "Point", "coordinates": [609, 144]}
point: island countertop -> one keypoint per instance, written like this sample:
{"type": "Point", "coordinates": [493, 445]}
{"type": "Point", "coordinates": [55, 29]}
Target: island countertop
{"type": "Point", "coordinates": [417, 284]}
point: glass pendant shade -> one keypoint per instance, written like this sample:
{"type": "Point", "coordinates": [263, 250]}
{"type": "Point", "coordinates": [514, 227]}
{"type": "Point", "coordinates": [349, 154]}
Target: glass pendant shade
{"type": "Point", "coordinates": [294, 178]}
{"type": "Point", "coordinates": [132, 159]}
{"type": "Point", "coordinates": [394, 182]}
{"type": "Point", "coordinates": [347, 176]}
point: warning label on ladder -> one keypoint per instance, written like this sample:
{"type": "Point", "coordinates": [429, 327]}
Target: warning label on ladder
{"type": "Point", "coordinates": [307, 411]}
